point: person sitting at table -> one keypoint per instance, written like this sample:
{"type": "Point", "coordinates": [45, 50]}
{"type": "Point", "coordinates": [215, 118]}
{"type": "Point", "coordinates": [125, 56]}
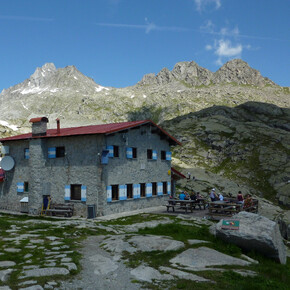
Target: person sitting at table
{"type": "Point", "coordinates": [198, 196]}
{"type": "Point", "coordinates": [187, 197]}
{"type": "Point", "coordinates": [193, 196]}
{"type": "Point", "coordinates": [213, 196]}
{"type": "Point", "coordinates": [240, 197]}
{"type": "Point", "coordinates": [248, 201]}
{"type": "Point", "coordinates": [182, 196]}
{"type": "Point", "coordinates": [171, 200]}
{"type": "Point", "coordinates": [221, 198]}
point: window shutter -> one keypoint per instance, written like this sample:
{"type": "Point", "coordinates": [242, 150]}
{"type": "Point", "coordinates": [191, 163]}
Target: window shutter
{"type": "Point", "coordinates": [67, 192]}
{"type": "Point", "coordinates": [26, 153]}
{"type": "Point", "coordinates": [52, 152]}
{"type": "Point", "coordinates": [84, 193]}
{"type": "Point", "coordinates": [168, 187]}
{"type": "Point", "coordinates": [123, 192]}
{"type": "Point", "coordinates": [111, 151]}
{"type": "Point", "coordinates": [109, 193]}
{"type": "Point", "coordinates": [154, 154]}
{"type": "Point", "coordinates": [159, 188]}
{"type": "Point", "coordinates": [129, 152]}
{"type": "Point", "coordinates": [148, 189]}
{"type": "Point", "coordinates": [105, 157]}
{"type": "Point", "coordinates": [136, 191]}
{"type": "Point", "coordinates": [20, 186]}
{"type": "Point", "coordinates": [168, 155]}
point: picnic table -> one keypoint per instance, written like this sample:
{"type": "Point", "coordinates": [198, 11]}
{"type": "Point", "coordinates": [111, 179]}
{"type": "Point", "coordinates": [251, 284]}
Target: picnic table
{"type": "Point", "coordinates": [229, 207]}
{"type": "Point", "coordinates": [185, 204]}
{"type": "Point", "coordinates": [223, 208]}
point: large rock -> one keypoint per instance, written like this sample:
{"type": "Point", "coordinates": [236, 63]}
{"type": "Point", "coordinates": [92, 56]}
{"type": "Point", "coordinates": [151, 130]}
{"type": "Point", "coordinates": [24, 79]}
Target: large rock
{"type": "Point", "coordinates": [255, 233]}
{"type": "Point", "coordinates": [147, 243]}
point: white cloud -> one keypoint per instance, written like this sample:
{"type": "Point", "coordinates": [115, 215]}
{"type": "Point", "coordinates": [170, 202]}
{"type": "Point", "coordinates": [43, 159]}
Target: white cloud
{"type": "Point", "coordinates": [208, 47]}
{"type": "Point", "coordinates": [226, 44]}
{"type": "Point", "coordinates": [225, 48]}
{"type": "Point", "coordinates": [219, 62]}
{"type": "Point", "coordinates": [225, 31]}
{"type": "Point", "coordinates": [208, 27]}
{"type": "Point", "coordinates": [201, 4]}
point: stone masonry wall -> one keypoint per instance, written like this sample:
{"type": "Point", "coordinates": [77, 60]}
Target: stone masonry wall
{"type": "Point", "coordinates": [80, 165]}
{"type": "Point", "coordinates": [9, 197]}
{"type": "Point", "coordinates": [122, 170]}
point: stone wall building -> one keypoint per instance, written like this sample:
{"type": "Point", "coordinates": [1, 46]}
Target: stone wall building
{"type": "Point", "coordinates": [113, 167]}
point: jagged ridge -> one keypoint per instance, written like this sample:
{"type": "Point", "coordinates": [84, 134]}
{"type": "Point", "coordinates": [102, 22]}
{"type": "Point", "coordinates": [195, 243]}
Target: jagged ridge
{"type": "Point", "coordinates": [234, 71]}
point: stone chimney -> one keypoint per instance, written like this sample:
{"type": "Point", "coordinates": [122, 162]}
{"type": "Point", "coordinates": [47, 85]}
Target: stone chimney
{"type": "Point", "coordinates": [39, 126]}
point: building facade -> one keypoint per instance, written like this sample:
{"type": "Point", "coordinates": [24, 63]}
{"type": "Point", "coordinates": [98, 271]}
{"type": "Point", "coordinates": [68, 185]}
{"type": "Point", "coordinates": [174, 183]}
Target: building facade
{"type": "Point", "coordinates": [113, 168]}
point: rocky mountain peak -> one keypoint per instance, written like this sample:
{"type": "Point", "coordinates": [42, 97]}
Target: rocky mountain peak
{"type": "Point", "coordinates": [189, 72]}
{"type": "Point", "coordinates": [234, 71]}
{"type": "Point", "coordinates": [238, 71]}
{"type": "Point", "coordinates": [42, 73]}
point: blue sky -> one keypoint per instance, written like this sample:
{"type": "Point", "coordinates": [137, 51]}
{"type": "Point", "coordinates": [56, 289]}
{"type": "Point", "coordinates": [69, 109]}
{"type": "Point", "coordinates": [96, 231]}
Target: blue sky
{"type": "Point", "coordinates": [116, 42]}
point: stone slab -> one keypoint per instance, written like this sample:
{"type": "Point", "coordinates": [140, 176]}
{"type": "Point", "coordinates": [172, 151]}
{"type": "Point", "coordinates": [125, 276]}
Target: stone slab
{"type": "Point", "coordinates": [184, 275]}
{"type": "Point", "coordinates": [45, 272]}
{"type": "Point", "coordinates": [6, 264]}
{"type": "Point", "coordinates": [103, 265]}
{"type": "Point", "coordinates": [4, 274]}
{"type": "Point", "coordinates": [200, 258]}
{"type": "Point", "coordinates": [148, 274]}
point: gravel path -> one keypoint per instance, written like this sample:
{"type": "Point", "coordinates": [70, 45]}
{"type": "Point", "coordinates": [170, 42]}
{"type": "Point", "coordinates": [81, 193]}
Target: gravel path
{"type": "Point", "coordinates": [100, 270]}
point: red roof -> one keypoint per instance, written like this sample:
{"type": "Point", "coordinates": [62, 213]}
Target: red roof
{"type": "Point", "coordinates": [89, 130]}
{"type": "Point", "coordinates": [177, 172]}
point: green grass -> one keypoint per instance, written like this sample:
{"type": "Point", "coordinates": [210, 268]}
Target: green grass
{"type": "Point", "coordinates": [139, 218]}
{"type": "Point", "coordinates": [184, 83]}
{"type": "Point", "coordinates": [270, 275]}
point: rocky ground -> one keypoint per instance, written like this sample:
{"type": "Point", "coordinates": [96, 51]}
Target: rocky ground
{"type": "Point", "coordinates": [53, 254]}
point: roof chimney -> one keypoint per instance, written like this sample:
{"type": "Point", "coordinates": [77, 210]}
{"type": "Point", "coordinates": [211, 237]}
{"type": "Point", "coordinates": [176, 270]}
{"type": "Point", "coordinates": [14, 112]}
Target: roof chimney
{"type": "Point", "coordinates": [58, 126]}
{"type": "Point", "coordinates": [39, 126]}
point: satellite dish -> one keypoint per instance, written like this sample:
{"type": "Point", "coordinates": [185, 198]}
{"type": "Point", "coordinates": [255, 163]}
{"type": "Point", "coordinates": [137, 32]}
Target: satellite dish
{"type": "Point", "coordinates": [7, 163]}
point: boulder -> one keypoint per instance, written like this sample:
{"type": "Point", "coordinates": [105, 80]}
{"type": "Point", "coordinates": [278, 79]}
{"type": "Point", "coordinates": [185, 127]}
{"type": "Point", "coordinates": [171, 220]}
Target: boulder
{"type": "Point", "coordinates": [255, 233]}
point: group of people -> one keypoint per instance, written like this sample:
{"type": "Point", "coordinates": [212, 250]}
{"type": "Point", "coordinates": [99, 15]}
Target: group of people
{"type": "Point", "coordinates": [215, 197]}
{"type": "Point", "coordinates": [246, 202]}
{"type": "Point", "coordinates": [184, 195]}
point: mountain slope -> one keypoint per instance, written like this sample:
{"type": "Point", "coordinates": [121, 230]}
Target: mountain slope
{"type": "Point", "coordinates": [248, 145]}
{"type": "Point", "coordinates": [67, 94]}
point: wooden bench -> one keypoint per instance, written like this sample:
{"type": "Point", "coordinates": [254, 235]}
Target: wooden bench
{"type": "Point", "coordinates": [180, 204]}
{"type": "Point", "coordinates": [186, 207]}
{"type": "Point", "coordinates": [170, 206]}
{"type": "Point", "coordinates": [223, 209]}
{"type": "Point", "coordinates": [63, 209]}
{"type": "Point", "coordinates": [200, 203]}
